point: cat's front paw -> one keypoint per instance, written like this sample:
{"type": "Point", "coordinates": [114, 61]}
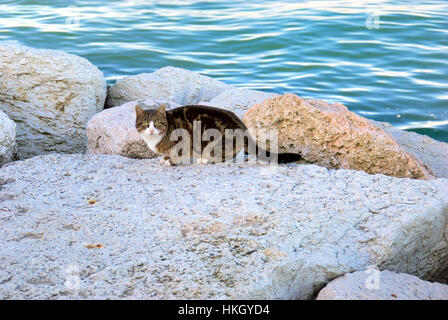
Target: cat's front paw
{"type": "Point", "coordinates": [202, 161]}
{"type": "Point", "coordinates": [166, 161]}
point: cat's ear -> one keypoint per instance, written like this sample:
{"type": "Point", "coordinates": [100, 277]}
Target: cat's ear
{"type": "Point", "coordinates": [161, 109]}
{"type": "Point", "coordinates": [139, 112]}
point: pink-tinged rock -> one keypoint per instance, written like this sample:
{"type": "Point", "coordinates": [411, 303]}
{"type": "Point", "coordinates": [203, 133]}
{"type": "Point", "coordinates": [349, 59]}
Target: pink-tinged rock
{"type": "Point", "coordinates": [382, 285]}
{"type": "Point", "coordinates": [331, 136]}
{"type": "Point", "coordinates": [113, 131]}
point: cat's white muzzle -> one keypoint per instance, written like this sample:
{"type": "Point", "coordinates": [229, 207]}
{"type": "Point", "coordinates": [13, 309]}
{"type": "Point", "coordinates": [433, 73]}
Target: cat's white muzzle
{"type": "Point", "coordinates": [151, 130]}
{"type": "Point", "coordinates": [151, 136]}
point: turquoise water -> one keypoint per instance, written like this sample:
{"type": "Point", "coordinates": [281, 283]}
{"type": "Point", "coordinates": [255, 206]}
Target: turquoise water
{"type": "Point", "coordinates": [385, 60]}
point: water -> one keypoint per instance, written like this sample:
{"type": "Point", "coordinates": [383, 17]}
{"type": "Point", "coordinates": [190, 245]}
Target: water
{"type": "Point", "coordinates": [385, 60]}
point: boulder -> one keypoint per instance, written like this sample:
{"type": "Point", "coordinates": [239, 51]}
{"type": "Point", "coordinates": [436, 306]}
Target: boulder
{"type": "Point", "coordinates": [382, 285]}
{"type": "Point", "coordinates": [112, 131]}
{"type": "Point", "coordinates": [101, 226]}
{"type": "Point", "coordinates": [7, 139]}
{"type": "Point", "coordinates": [50, 95]}
{"type": "Point", "coordinates": [431, 152]}
{"type": "Point", "coordinates": [332, 136]}
{"type": "Point", "coordinates": [169, 83]}
{"type": "Point", "coordinates": [238, 100]}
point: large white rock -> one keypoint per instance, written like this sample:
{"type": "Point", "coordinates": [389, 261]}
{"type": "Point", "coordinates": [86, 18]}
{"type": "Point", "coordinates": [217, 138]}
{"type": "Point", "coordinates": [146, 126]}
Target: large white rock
{"type": "Point", "coordinates": [84, 226]}
{"type": "Point", "coordinates": [431, 152]}
{"type": "Point", "coordinates": [238, 100]}
{"type": "Point", "coordinates": [112, 131]}
{"type": "Point", "coordinates": [50, 95]}
{"type": "Point", "coordinates": [7, 139]}
{"type": "Point", "coordinates": [382, 285]}
{"type": "Point", "coordinates": [169, 83]}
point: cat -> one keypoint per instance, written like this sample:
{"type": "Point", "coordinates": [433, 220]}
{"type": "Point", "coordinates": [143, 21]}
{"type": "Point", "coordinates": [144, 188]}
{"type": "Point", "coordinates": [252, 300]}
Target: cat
{"type": "Point", "coordinates": [158, 128]}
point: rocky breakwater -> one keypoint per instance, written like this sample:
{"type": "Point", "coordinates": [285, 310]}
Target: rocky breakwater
{"type": "Point", "coordinates": [327, 134]}
{"type": "Point", "coordinates": [109, 225]}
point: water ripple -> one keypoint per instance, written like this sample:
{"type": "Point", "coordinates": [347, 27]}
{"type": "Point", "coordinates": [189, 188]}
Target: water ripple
{"type": "Point", "coordinates": [320, 49]}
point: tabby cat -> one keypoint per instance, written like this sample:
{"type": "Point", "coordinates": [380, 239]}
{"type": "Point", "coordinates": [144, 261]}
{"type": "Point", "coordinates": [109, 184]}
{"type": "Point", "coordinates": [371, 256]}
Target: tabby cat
{"type": "Point", "coordinates": [168, 133]}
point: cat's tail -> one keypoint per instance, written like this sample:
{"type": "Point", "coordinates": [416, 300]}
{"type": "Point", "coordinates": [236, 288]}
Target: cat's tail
{"type": "Point", "coordinates": [267, 156]}
{"type": "Point", "coordinates": [288, 157]}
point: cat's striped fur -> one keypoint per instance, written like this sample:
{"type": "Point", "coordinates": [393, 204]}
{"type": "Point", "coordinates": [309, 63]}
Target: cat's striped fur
{"type": "Point", "coordinates": [156, 127]}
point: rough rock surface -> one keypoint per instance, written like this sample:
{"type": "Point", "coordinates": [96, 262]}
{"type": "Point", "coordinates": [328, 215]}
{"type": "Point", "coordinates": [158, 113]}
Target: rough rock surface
{"type": "Point", "coordinates": [431, 152]}
{"type": "Point", "coordinates": [238, 100]}
{"type": "Point", "coordinates": [332, 136]}
{"type": "Point", "coordinates": [112, 131]}
{"type": "Point", "coordinates": [7, 139]}
{"type": "Point", "coordinates": [89, 226]}
{"type": "Point", "coordinates": [362, 285]}
{"type": "Point", "coordinates": [169, 83]}
{"type": "Point", "coordinates": [50, 95]}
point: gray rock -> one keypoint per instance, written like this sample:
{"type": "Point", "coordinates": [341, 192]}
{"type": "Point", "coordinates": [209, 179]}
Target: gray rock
{"type": "Point", "coordinates": [382, 285]}
{"type": "Point", "coordinates": [7, 139]}
{"type": "Point", "coordinates": [169, 83]}
{"type": "Point", "coordinates": [84, 226]}
{"type": "Point", "coordinates": [431, 152]}
{"type": "Point", "coordinates": [238, 100]}
{"type": "Point", "coordinates": [112, 131]}
{"type": "Point", "coordinates": [50, 95]}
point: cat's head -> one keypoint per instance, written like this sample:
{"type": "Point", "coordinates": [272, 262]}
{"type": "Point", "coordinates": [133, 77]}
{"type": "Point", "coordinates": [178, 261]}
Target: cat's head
{"type": "Point", "coordinates": [151, 122]}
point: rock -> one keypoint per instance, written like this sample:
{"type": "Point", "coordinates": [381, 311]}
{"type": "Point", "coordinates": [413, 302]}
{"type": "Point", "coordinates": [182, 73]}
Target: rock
{"type": "Point", "coordinates": [98, 226]}
{"type": "Point", "coordinates": [332, 136]}
{"type": "Point", "coordinates": [431, 152]}
{"type": "Point", "coordinates": [7, 139]}
{"type": "Point", "coordinates": [50, 95]}
{"type": "Point", "coordinates": [238, 100]}
{"type": "Point", "coordinates": [169, 83]}
{"type": "Point", "coordinates": [112, 131]}
{"type": "Point", "coordinates": [362, 285]}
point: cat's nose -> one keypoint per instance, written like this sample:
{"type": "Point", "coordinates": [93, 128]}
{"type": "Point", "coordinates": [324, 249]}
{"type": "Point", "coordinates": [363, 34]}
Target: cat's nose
{"type": "Point", "coordinates": [151, 131]}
